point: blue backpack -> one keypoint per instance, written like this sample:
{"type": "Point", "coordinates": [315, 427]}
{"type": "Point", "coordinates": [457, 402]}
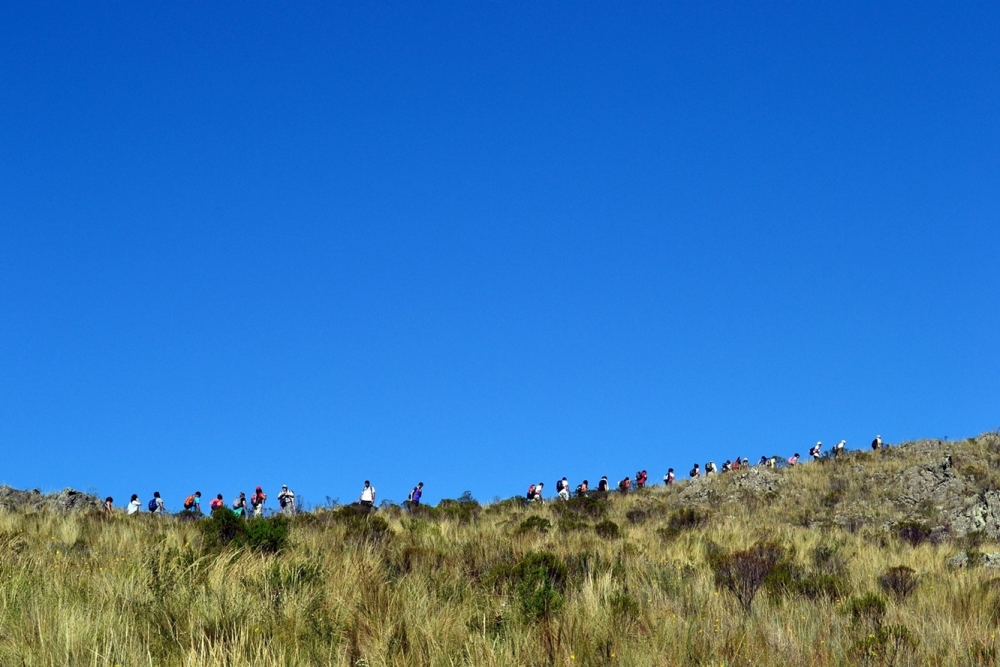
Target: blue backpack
{"type": "Point", "coordinates": [152, 504]}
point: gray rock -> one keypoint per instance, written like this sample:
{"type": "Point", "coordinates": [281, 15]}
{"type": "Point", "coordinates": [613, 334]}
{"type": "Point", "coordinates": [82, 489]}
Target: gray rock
{"type": "Point", "coordinates": [67, 500]}
{"type": "Point", "coordinates": [961, 559]}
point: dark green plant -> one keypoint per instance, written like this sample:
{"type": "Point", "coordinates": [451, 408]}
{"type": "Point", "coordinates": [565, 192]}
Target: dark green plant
{"type": "Point", "coordinates": [534, 524]}
{"type": "Point", "coordinates": [268, 535]}
{"type": "Point", "coordinates": [608, 529]}
{"type": "Point", "coordinates": [899, 581]}
{"type": "Point", "coordinates": [913, 533]}
{"type": "Point", "coordinates": [592, 507]}
{"type": "Point", "coordinates": [226, 529]}
{"type": "Point", "coordinates": [743, 573]}
{"type": "Point", "coordinates": [636, 515]}
{"type": "Point", "coordinates": [867, 611]}
{"type": "Point", "coordinates": [541, 580]}
{"type": "Point", "coordinates": [886, 646]}
{"type": "Point", "coordinates": [684, 519]}
{"type": "Point", "coordinates": [567, 524]}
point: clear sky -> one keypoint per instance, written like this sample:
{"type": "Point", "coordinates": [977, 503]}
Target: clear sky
{"type": "Point", "coordinates": [486, 244]}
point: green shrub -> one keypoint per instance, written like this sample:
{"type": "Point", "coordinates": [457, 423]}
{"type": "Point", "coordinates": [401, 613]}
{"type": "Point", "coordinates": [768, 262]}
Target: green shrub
{"type": "Point", "coordinates": [608, 529]}
{"type": "Point", "coordinates": [885, 646]}
{"type": "Point", "coordinates": [624, 608]}
{"type": "Point", "coordinates": [361, 523]}
{"type": "Point", "coordinates": [684, 519]}
{"type": "Point", "coordinates": [593, 507]}
{"type": "Point", "coordinates": [541, 581]}
{"type": "Point", "coordinates": [913, 533]}
{"type": "Point", "coordinates": [534, 524]}
{"type": "Point", "coordinates": [899, 581]}
{"type": "Point", "coordinates": [743, 573]}
{"type": "Point", "coordinates": [268, 535]}
{"type": "Point", "coordinates": [867, 611]}
{"type": "Point", "coordinates": [465, 510]}
{"type": "Point", "coordinates": [568, 524]}
{"type": "Point", "coordinates": [636, 515]}
{"type": "Point", "coordinates": [226, 529]}
{"type": "Point", "coordinates": [222, 529]}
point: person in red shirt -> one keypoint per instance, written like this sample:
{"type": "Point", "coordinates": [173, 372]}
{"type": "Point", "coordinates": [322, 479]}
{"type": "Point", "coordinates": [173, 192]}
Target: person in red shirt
{"type": "Point", "coordinates": [216, 503]}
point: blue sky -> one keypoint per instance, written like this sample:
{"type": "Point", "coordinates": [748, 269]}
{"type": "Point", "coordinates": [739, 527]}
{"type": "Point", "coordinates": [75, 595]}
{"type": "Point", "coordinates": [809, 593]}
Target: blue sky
{"type": "Point", "coordinates": [487, 244]}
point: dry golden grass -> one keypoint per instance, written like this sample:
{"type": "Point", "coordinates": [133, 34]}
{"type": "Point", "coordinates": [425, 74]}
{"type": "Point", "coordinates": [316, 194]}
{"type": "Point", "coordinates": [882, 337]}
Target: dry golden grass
{"type": "Point", "coordinates": [86, 590]}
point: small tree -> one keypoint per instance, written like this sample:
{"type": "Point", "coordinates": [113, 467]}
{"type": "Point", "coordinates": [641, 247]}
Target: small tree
{"type": "Point", "coordinates": [743, 573]}
{"type": "Point", "coordinates": [899, 581]}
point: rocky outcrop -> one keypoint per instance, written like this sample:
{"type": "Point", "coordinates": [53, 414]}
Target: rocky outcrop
{"type": "Point", "coordinates": [67, 500]}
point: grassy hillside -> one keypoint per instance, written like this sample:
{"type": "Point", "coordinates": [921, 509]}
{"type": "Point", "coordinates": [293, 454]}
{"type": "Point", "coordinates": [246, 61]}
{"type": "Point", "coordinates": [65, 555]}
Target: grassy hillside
{"type": "Point", "coordinates": [845, 561]}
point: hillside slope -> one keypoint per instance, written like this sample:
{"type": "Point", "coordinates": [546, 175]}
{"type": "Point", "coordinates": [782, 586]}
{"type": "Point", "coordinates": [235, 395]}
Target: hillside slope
{"type": "Point", "coordinates": [880, 558]}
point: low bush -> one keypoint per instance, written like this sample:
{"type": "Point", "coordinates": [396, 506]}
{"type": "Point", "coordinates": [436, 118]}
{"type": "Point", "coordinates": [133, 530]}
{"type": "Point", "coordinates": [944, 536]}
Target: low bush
{"type": "Point", "coordinates": [592, 507]}
{"type": "Point", "coordinates": [226, 529]}
{"type": "Point", "coordinates": [743, 573]}
{"type": "Point", "coordinates": [608, 529]}
{"type": "Point", "coordinates": [866, 611]}
{"type": "Point", "coordinates": [913, 533]}
{"type": "Point", "coordinates": [684, 519]}
{"type": "Point", "coordinates": [899, 581]}
{"type": "Point", "coordinates": [534, 524]}
{"type": "Point", "coordinates": [636, 515]}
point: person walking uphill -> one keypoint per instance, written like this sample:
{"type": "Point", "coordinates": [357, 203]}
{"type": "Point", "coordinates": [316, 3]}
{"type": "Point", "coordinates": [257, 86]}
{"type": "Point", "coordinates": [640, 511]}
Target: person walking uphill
{"type": "Point", "coordinates": [415, 495]}
{"type": "Point", "coordinates": [562, 488]}
{"type": "Point", "coordinates": [257, 502]}
{"type": "Point", "coordinates": [156, 504]}
{"type": "Point", "coordinates": [286, 500]}
{"type": "Point", "coordinates": [134, 505]}
{"type": "Point", "coordinates": [193, 503]}
{"type": "Point", "coordinates": [367, 495]}
{"type": "Point", "coordinates": [240, 505]}
{"type": "Point", "coordinates": [216, 503]}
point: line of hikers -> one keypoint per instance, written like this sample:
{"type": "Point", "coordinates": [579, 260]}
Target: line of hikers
{"type": "Point", "coordinates": [255, 507]}
{"type": "Point", "coordinates": [626, 485]}
{"type": "Point", "coordinates": [286, 499]}
{"type": "Point", "coordinates": [240, 505]}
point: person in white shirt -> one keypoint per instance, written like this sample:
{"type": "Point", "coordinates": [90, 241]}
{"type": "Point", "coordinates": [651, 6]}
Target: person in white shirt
{"type": "Point", "coordinates": [668, 479]}
{"type": "Point", "coordinates": [286, 500]}
{"type": "Point", "coordinates": [134, 505]}
{"type": "Point", "coordinates": [368, 495]}
{"type": "Point", "coordinates": [562, 488]}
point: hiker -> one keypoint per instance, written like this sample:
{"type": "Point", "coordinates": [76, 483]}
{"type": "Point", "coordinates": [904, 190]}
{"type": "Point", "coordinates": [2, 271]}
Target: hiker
{"type": "Point", "coordinates": [727, 466]}
{"type": "Point", "coordinates": [156, 504]}
{"type": "Point", "coordinates": [815, 450]}
{"type": "Point", "coordinates": [257, 502]}
{"type": "Point", "coordinates": [838, 449]}
{"type": "Point", "coordinates": [695, 472]}
{"type": "Point", "coordinates": [625, 485]}
{"type": "Point", "coordinates": [668, 479]}
{"type": "Point", "coordinates": [562, 488]}
{"type": "Point", "coordinates": [216, 503]}
{"type": "Point", "coordinates": [736, 464]}
{"type": "Point", "coordinates": [240, 505]}
{"type": "Point", "coordinates": [640, 479]}
{"type": "Point", "coordinates": [286, 500]}
{"type": "Point", "coordinates": [535, 492]}
{"type": "Point", "coordinates": [602, 485]}
{"type": "Point", "coordinates": [413, 500]}
{"type": "Point", "coordinates": [109, 505]}
{"type": "Point", "coordinates": [134, 505]}
{"type": "Point", "coordinates": [710, 468]}
{"type": "Point", "coordinates": [877, 442]}
{"type": "Point", "coordinates": [367, 498]}
{"type": "Point", "coordinates": [794, 459]}
{"type": "Point", "coordinates": [763, 462]}
{"type": "Point", "coordinates": [772, 462]}
{"type": "Point", "coordinates": [581, 489]}
{"type": "Point", "coordinates": [193, 502]}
